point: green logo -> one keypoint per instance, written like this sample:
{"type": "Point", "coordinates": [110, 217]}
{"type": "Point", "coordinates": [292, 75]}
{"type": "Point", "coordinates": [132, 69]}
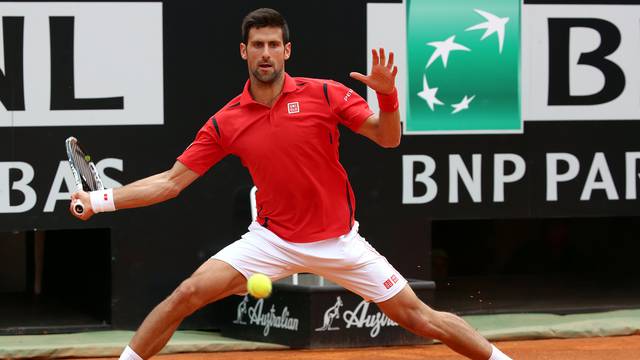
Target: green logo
{"type": "Point", "coordinates": [463, 60]}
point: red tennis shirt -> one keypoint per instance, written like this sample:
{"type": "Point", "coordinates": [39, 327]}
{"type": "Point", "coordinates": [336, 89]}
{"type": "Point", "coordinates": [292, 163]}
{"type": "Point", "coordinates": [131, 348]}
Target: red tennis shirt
{"type": "Point", "coordinates": [291, 151]}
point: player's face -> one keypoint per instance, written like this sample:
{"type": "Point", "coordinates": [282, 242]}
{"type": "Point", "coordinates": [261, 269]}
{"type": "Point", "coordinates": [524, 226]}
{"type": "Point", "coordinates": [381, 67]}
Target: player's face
{"type": "Point", "coordinates": [265, 53]}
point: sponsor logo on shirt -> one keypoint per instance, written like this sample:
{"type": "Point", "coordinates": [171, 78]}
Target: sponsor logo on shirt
{"type": "Point", "coordinates": [346, 97]}
{"type": "Point", "coordinates": [293, 107]}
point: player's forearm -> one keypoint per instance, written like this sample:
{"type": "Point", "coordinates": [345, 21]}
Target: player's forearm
{"type": "Point", "coordinates": [145, 192]}
{"type": "Point", "coordinates": [389, 129]}
{"type": "Point", "coordinates": [148, 191]}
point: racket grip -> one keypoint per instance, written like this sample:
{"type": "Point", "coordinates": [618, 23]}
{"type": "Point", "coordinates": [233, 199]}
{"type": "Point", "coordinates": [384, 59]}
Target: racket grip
{"type": "Point", "coordinates": [78, 207]}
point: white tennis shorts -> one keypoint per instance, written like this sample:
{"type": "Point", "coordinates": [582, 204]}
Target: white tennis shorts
{"type": "Point", "coordinates": [349, 261]}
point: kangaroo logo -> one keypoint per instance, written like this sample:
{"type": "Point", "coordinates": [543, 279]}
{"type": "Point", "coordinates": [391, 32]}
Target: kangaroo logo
{"type": "Point", "coordinates": [331, 314]}
{"type": "Point", "coordinates": [242, 309]}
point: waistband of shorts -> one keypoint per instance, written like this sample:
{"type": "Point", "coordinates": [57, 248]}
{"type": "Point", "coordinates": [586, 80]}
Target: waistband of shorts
{"type": "Point", "coordinates": [270, 235]}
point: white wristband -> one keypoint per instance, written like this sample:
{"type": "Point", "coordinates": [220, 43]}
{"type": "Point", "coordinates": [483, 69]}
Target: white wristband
{"type": "Point", "coordinates": [102, 200]}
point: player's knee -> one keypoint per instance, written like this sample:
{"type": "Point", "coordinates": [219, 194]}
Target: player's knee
{"type": "Point", "coordinates": [433, 327]}
{"type": "Point", "coordinates": [439, 325]}
{"type": "Point", "coordinates": [185, 298]}
{"type": "Point", "coordinates": [409, 317]}
{"type": "Point", "coordinates": [424, 321]}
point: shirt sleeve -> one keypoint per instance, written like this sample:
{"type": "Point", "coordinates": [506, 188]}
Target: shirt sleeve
{"type": "Point", "coordinates": [205, 151]}
{"type": "Point", "coordinates": [350, 107]}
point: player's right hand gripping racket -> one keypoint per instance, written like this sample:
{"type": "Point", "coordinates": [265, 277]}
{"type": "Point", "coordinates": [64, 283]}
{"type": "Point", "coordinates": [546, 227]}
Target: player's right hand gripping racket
{"type": "Point", "coordinates": [83, 169]}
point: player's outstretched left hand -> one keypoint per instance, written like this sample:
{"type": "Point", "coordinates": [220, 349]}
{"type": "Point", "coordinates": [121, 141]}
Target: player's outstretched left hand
{"type": "Point", "coordinates": [383, 73]}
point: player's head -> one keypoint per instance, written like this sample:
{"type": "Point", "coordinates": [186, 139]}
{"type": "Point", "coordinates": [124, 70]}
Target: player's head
{"type": "Point", "coordinates": [265, 44]}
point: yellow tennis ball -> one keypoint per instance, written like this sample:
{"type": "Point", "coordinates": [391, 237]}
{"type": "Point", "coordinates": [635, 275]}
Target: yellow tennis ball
{"type": "Point", "coordinates": [259, 286]}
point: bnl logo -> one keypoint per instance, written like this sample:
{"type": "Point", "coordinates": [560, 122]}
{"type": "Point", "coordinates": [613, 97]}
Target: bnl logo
{"type": "Point", "coordinates": [80, 64]}
{"type": "Point", "coordinates": [61, 35]}
{"type": "Point", "coordinates": [576, 62]}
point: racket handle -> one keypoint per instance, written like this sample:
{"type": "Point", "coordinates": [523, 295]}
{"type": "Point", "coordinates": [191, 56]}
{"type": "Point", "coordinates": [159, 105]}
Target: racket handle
{"type": "Point", "coordinates": [78, 207]}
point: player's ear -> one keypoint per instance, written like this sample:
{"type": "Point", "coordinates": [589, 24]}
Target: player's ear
{"type": "Point", "coordinates": [243, 51]}
{"type": "Point", "coordinates": [287, 51]}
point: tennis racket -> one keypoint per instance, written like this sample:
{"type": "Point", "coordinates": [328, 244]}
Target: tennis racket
{"type": "Point", "coordinates": [83, 169]}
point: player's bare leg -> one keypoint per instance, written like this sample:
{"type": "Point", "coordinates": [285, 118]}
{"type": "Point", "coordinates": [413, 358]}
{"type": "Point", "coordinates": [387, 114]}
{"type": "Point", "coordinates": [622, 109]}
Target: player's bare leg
{"type": "Point", "coordinates": [411, 313]}
{"type": "Point", "coordinates": [212, 281]}
{"type": "Point", "coordinates": [161, 341]}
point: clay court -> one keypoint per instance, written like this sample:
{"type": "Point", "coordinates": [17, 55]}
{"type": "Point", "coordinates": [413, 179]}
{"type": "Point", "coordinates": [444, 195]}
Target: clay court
{"type": "Point", "coordinates": [591, 336]}
{"type": "Point", "coordinates": [619, 348]}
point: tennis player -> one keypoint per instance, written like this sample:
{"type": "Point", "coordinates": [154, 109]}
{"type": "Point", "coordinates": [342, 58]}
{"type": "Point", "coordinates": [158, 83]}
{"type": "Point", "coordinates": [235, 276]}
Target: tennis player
{"type": "Point", "coordinates": [285, 131]}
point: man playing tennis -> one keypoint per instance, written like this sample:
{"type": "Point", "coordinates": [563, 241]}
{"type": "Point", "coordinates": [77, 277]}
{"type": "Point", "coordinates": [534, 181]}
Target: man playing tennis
{"type": "Point", "coordinates": [285, 130]}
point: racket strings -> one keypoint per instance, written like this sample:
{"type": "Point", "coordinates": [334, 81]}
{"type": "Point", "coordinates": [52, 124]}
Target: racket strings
{"type": "Point", "coordinates": [82, 166]}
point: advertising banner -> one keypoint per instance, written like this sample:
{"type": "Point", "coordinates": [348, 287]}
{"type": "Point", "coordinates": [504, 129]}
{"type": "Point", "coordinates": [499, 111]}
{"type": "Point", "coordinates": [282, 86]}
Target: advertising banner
{"type": "Point", "coordinates": [305, 316]}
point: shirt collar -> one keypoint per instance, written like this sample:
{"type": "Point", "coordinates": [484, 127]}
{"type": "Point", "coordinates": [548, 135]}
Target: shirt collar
{"type": "Point", "coordinates": [289, 86]}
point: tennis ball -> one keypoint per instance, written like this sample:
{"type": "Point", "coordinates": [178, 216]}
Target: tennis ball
{"type": "Point", "coordinates": [259, 286]}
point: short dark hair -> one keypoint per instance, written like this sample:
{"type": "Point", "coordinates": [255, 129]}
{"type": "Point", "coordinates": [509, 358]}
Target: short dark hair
{"type": "Point", "coordinates": [264, 17]}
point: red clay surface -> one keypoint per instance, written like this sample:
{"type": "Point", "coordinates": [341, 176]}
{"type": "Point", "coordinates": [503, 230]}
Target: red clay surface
{"type": "Point", "coordinates": [607, 348]}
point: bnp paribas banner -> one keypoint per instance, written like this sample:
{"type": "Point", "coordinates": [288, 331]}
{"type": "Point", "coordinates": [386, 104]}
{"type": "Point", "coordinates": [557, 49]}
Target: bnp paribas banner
{"type": "Point", "coordinates": [463, 67]}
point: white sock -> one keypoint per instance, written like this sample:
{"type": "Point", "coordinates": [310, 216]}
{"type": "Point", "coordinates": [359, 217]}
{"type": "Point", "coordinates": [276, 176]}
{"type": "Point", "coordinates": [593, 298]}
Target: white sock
{"type": "Point", "coordinates": [129, 354]}
{"type": "Point", "coordinates": [496, 354]}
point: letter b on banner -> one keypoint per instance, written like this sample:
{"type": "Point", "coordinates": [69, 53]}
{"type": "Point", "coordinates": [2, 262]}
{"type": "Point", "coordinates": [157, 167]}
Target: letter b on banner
{"type": "Point", "coordinates": [580, 62]}
{"type": "Point", "coordinates": [559, 62]}
{"type": "Point", "coordinates": [424, 177]}
{"type": "Point", "coordinates": [21, 185]}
